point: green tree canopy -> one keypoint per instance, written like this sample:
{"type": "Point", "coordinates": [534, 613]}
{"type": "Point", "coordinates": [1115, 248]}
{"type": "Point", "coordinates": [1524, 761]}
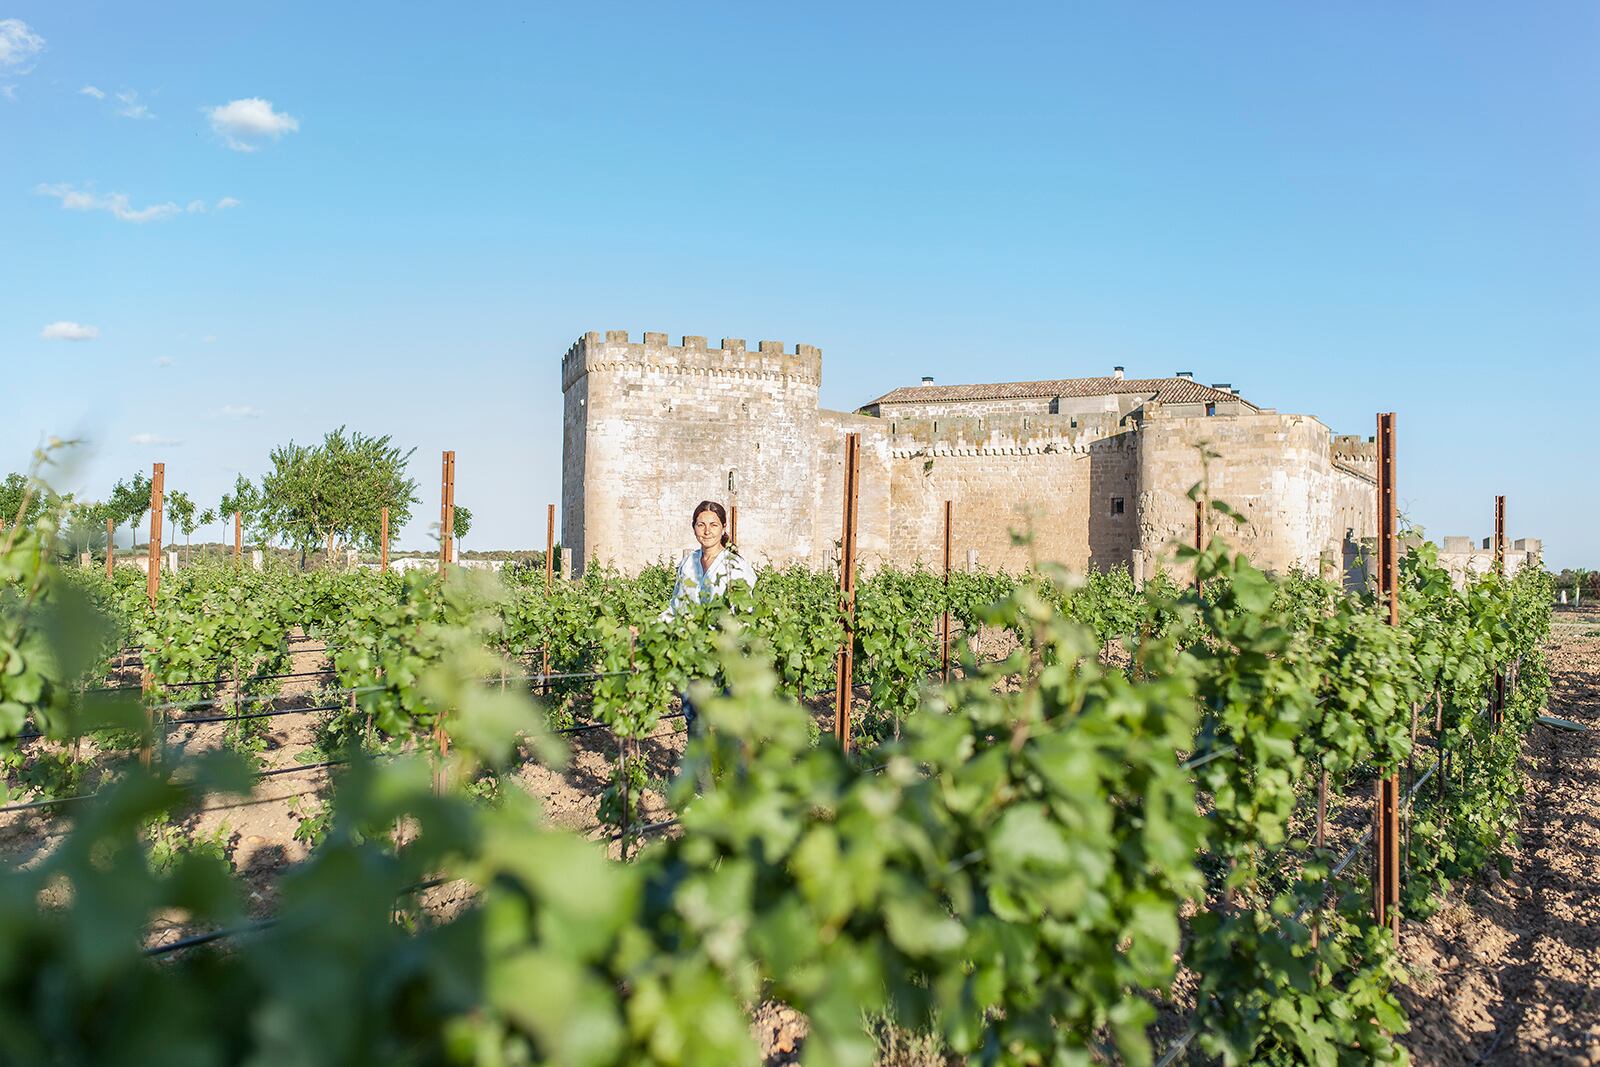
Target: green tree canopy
{"type": "Point", "coordinates": [334, 492]}
{"type": "Point", "coordinates": [462, 522]}
{"type": "Point", "coordinates": [246, 500]}
{"type": "Point", "coordinates": [21, 501]}
{"type": "Point", "coordinates": [130, 500]}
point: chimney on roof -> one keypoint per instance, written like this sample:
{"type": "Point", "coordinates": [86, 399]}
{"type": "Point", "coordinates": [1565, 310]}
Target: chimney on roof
{"type": "Point", "coordinates": [1226, 387]}
{"type": "Point", "coordinates": [927, 379]}
{"type": "Point", "coordinates": [1186, 375]}
{"type": "Point", "coordinates": [1116, 372]}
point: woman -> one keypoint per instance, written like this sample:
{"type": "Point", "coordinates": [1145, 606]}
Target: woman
{"type": "Point", "coordinates": [706, 574]}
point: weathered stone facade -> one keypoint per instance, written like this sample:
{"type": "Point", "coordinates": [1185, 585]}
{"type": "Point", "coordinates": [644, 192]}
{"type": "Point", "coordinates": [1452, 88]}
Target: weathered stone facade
{"type": "Point", "coordinates": [1095, 470]}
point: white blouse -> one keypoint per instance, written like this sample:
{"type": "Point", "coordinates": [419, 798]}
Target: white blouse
{"type": "Point", "coordinates": [704, 584]}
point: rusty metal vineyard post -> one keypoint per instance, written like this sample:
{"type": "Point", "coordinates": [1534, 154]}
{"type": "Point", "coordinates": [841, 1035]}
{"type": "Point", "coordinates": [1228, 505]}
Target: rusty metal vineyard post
{"type": "Point", "coordinates": [152, 585]}
{"type": "Point", "coordinates": [847, 590]}
{"type": "Point", "coordinates": [238, 538]}
{"type": "Point", "coordinates": [1498, 705]}
{"type": "Point", "coordinates": [383, 540]}
{"type": "Point", "coordinates": [111, 545]}
{"type": "Point", "coordinates": [944, 631]}
{"type": "Point", "coordinates": [549, 584]}
{"type": "Point", "coordinates": [447, 509]}
{"type": "Point", "coordinates": [1386, 812]}
{"type": "Point", "coordinates": [158, 479]}
{"type": "Point", "coordinates": [1199, 541]}
{"type": "Point", "coordinates": [447, 523]}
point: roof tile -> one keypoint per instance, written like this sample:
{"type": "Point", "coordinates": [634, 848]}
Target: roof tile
{"type": "Point", "coordinates": [1164, 390]}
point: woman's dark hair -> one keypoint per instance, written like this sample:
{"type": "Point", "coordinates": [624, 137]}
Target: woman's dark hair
{"type": "Point", "coordinates": [715, 509]}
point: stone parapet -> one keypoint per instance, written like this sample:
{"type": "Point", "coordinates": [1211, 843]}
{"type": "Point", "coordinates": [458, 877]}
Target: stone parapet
{"type": "Point", "coordinates": [597, 352]}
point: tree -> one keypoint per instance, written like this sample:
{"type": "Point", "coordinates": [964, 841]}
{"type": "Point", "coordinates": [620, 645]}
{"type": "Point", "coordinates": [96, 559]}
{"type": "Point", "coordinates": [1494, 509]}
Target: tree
{"type": "Point", "coordinates": [246, 500]}
{"type": "Point", "coordinates": [462, 523]}
{"type": "Point", "coordinates": [129, 501]}
{"type": "Point", "coordinates": [334, 492]}
{"type": "Point", "coordinates": [83, 528]}
{"type": "Point", "coordinates": [21, 501]}
{"type": "Point", "coordinates": [181, 514]}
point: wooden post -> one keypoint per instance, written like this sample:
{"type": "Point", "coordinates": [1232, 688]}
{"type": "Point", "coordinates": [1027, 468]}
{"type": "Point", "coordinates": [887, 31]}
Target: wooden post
{"type": "Point", "coordinates": [733, 524]}
{"type": "Point", "coordinates": [111, 545]}
{"type": "Point", "coordinates": [1199, 545]}
{"type": "Point", "coordinates": [549, 583]}
{"type": "Point", "coordinates": [152, 583]}
{"type": "Point", "coordinates": [847, 590]}
{"type": "Point", "coordinates": [944, 659]}
{"type": "Point", "coordinates": [1386, 837]}
{"type": "Point", "coordinates": [383, 540]}
{"type": "Point", "coordinates": [238, 538]}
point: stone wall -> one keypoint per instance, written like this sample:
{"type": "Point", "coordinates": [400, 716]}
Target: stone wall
{"type": "Point", "coordinates": [1275, 470]}
{"type": "Point", "coordinates": [652, 428]}
{"type": "Point", "coordinates": [1041, 476]}
{"type": "Point", "coordinates": [1466, 560]}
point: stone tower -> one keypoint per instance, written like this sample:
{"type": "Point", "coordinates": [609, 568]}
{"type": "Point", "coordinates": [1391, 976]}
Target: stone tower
{"type": "Point", "coordinates": [652, 428]}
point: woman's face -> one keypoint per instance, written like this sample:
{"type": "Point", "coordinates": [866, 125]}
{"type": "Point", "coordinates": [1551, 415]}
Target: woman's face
{"type": "Point", "coordinates": [708, 529]}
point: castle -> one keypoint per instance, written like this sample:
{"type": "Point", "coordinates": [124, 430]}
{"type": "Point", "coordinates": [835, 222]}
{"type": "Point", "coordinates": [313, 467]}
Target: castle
{"type": "Point", "coordinates": [1097, 470]}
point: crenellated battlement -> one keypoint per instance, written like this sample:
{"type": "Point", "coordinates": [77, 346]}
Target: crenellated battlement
{"type": "Point", "coordinates": [1354, 448]}
{"type": "Point", "coordinates": [1003, 434]}
{"type": "Point", "coordinates": [613, 350]}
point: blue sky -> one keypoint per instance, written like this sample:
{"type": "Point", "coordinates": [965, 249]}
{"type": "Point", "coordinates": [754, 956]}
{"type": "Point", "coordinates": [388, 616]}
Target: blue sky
{"type": "Point", "coordinates": [1341, 209]}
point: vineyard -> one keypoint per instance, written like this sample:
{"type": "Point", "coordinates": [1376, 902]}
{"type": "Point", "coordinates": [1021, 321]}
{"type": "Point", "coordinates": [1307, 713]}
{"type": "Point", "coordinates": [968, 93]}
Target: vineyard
{"type": "Point", "coordinates": [1118, 824]}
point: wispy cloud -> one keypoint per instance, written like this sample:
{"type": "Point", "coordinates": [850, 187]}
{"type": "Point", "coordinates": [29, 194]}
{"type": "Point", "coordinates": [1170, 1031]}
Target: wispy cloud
{"type": "Point", "coordinates": [89, 90]}
{"type": "Point", "coordinates": [240, 411]}
{"type": "Point", "coordinates": [200, 207]}
{"type": "Point", "coordinates": [130, 107]}
{"type": "Point", "coordinates": [244, 124]}
{"type": "Point", "coordinates": [69, 331]}
{"type": "Point", "coordinates": [19, 46]}
{"type": "Point", "coordinates": [209, 339]}
{"type": "Point", "coordinates": [163, 361]}
{"type": "Point", "coordinates": [118, 204]}
{"type": "Point", "coordinates": [152, 439]}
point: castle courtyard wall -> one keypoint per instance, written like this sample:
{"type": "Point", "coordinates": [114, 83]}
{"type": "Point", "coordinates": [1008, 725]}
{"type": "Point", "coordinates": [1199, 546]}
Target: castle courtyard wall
{"type": "Point", "coordinates": [1037, 476]}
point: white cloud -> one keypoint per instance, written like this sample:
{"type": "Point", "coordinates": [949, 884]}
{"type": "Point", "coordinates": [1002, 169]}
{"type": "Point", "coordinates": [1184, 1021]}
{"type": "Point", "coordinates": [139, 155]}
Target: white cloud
{"type": "Point", "coordinates": [69, 331]}
{"type": "Point", "coordinates": [18, 46]}
{"type": "Point", "coordinates": [242, 124]}
{"type": "Point", "coordinates": [129, 107]}
{"type": "Point", "coordinates": [152, 439]}
{"type": "Point", "coordinates": [118, 204]}
{"type": "Point", "coordinates": [240, 411]}
{"type": "Point", "coordinates": [89, 90]}
{"type": "Point", "coordinates": [209, 339]}
{"type": "Point", "coordinates": [199, 207]}
{"type": "Point", "coordinates": [163, 361]}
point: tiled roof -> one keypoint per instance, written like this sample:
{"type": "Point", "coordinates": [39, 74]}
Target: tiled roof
{"type": "Point", "coordinates": [1164, 390]}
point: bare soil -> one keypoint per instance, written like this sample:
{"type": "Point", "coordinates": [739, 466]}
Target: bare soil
{"type": "Point", "coordinates": [1508, 972]}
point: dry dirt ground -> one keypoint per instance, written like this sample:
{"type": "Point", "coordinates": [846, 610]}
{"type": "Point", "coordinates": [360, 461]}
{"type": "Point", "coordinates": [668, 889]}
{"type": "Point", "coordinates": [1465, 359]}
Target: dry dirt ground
{"type": "Point", "coordinates": [1508, 972]}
